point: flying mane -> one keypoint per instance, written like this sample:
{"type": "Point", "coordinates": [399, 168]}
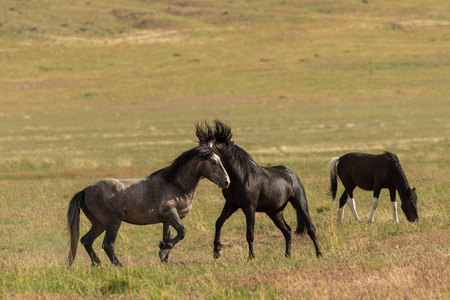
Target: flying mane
{"type": "Point", "coordinates": [222, 134]}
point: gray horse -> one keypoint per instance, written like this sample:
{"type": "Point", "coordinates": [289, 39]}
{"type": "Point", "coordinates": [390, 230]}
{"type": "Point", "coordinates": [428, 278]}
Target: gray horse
{"type": "Point", "coordinates": [163, 197]}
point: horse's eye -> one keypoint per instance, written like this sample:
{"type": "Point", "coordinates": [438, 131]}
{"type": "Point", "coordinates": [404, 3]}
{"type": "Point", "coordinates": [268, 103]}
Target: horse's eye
{"type": "Point", "coordinates": [214, 162]}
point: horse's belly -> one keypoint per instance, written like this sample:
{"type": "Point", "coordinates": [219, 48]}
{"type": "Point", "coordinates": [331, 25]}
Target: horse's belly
{"type": "Point", "coordinates": [142, 217]}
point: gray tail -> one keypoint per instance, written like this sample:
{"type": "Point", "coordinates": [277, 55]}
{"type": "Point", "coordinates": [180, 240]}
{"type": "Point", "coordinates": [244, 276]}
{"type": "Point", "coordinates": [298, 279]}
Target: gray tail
{"type": "Point", "coordinates": [73, 223]}
{"type": "Point", "coordinates": [332, 169]}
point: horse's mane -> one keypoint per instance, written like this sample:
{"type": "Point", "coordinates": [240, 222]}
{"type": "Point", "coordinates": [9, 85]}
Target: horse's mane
{"type": "Point", "coordinates": [397, 171]}
{"type": "Point", "coordinates": [222, 134]}
{"type": "Point", "coordinates": [171, 172]}
{"type": "Point", "coordinates": [204, 132]}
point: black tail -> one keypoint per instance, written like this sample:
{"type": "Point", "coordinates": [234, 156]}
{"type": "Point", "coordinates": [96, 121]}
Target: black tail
{"type": "Point", "coordinates": [73, 223]}
{"type": "Point", "coordinates": [333, 177]}
{"type": "Point", "coordinates": [301, 225]}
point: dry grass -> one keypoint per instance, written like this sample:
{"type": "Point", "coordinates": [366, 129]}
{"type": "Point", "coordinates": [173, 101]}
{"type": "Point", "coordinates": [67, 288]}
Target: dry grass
{"type": "Point", "coordinates": [113, 89]}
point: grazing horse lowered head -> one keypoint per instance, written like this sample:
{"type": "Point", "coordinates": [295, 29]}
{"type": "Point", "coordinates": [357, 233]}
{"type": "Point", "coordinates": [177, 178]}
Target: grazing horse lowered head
{"type": "Point", "coordinates": [257, 189]}
{"type": "Point", "coordinates": [372, 173]}
{"type": "Point", "coordinates": [163, 197]}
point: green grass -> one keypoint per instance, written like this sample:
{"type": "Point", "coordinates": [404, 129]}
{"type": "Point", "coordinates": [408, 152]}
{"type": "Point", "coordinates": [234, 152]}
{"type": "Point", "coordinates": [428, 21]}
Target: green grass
{"type": "Point", "coordinates": [113, 89]}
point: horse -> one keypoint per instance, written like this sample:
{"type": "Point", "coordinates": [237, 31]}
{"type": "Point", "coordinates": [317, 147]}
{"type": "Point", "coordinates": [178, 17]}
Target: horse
{"type": "Point", "coordinates": [257, 189]}
{"type": "Point", "coordinates": [372, 173]}
{"type": "Point", "coordinates": [163, 197]}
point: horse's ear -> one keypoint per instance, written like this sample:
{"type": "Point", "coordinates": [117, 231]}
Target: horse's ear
{"type": "Point", "coordinates": [414, 189]}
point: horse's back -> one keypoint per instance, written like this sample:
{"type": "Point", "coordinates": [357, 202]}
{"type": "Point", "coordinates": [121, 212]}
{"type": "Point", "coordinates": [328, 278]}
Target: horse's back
{"type": "Point", "coordinates": [276, 187]}
{"type": "Point", "coordinates": [110, 187]}
{"type": "Point", "coordinates": [362, 169]}
{"type": "Point", "coordinates": [114, 196]}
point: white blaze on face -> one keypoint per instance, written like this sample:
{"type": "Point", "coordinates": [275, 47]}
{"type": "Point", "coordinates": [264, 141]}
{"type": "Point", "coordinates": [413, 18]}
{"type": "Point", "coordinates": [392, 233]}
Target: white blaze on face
{"type": "Point", "coordinates": [215, 158]}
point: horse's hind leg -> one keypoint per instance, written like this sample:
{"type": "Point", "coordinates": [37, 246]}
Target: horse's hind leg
{"type": "Point", "coordinates": [279, 221]}
{"type": "Point", "coordinates": [109, 240]}
{"type": "Point", "coordinates": [300, 204]}
{"type": "Point", "coordinates": [88, 239]}
{"type": "Point", "coordinates": [342, 203]}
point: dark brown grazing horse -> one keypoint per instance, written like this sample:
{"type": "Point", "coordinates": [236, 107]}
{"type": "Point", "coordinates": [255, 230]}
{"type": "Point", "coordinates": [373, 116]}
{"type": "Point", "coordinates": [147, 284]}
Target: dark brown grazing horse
{"type": "Point", "coordinates": [164, 197]}
{"type": "Point", "coordinates": [257, 189]}
{"type": "Point", "coordinates": [372, 173]}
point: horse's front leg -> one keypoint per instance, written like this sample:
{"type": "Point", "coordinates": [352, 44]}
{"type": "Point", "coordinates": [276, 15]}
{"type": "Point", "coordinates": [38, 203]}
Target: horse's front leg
{"type": "Point", "coordinates": [392, 192]}
{"type": "Point", "coordinates": [250, 218]}
{"type": "Point", "coordinates": [167, 235]}
{"type": "Point", "coordinates": [174, 221]}
{"type": "Point", "coordinates": [227, 211]}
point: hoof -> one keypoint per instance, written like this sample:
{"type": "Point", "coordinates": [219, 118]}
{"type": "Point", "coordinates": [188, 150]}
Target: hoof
{"type": "Point", "coordinates": [164, 255]}
{"type": "Point", "coordinates": [217, 254]}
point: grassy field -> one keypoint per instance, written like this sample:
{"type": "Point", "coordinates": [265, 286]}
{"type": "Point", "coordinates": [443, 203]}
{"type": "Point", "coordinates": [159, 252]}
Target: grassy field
{"type": "Point", "coordinates": [95, 89]}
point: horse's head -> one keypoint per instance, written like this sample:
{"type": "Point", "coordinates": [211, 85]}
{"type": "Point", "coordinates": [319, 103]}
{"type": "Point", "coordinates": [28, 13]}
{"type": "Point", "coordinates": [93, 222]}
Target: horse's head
{"type": "Point", "coordinates": [409, 206]}
{"type": "Point", "coordinates": [211, 166]}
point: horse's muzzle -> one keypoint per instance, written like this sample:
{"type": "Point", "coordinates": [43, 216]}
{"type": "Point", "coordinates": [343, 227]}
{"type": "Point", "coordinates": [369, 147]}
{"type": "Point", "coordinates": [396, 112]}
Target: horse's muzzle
{"type": "Point", "coordinates": [224, 184]}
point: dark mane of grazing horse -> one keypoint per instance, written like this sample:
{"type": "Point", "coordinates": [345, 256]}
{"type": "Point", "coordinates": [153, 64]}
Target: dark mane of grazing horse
{"type": "Point", "coordinates": [254, 188]}
{"type": "Point", "coordinates": [399, 176]}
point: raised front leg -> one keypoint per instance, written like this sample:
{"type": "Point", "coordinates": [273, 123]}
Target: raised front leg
{"type": "Point", "coordinates": [165, 246]}
{"type": "Point", "coordinates": [227, 211]}
{"type": "Point", "coordinates": [167, 235]}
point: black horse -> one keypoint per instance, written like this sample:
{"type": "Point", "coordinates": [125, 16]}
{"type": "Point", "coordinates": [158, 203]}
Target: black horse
{"type": "Point", "coordinates": [257, 189]}
{"type": "Point", "coordinates": [372, 173]}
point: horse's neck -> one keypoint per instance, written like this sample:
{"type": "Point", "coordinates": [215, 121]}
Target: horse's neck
{"type": "Point", "coordinates": [401, 183]}
{"type": "Point", "coordinates": [188, 177]}
{"type": "Point", "coordinates": [235, 169]}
